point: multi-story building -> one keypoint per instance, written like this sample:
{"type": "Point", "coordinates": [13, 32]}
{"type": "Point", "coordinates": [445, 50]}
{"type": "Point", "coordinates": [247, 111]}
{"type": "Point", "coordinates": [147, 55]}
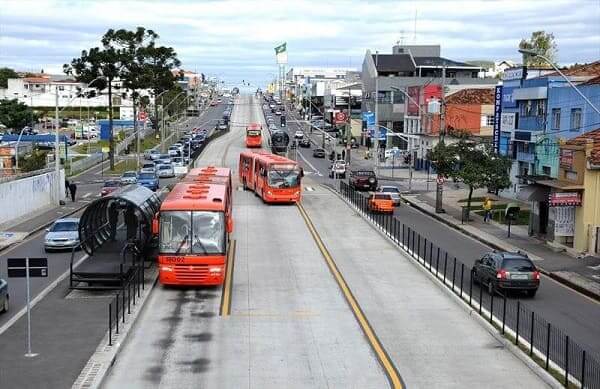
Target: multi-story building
{"type": "Point", "coordinates": [419, 70]}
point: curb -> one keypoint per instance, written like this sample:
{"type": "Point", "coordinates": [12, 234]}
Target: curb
{"type": "Point", "coordinates": [546, 377]}
{"type": "Point", "coordinates": [568, 283]}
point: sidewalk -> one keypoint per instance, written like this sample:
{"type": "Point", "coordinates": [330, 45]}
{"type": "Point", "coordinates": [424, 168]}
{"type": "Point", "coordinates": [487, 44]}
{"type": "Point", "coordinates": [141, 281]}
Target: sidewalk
{"type": "Point", "coordinates": [582, 275]}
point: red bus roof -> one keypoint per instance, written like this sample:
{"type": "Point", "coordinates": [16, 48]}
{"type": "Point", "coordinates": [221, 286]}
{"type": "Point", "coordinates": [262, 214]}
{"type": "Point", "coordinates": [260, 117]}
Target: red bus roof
{"type": "Point", "coordinates": [253, 126]}
{"type": "Point", "coordinates": [210, 170]}
{"type": "Point", "coordinates": [189, 196]}
{"type": "Point", "coordinates": [269, 158]}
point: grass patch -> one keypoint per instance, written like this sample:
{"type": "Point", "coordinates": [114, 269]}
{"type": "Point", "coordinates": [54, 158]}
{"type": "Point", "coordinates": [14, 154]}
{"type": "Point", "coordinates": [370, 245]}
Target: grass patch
{"type": "Point", "coordinates": [94, 147]}
{"type": "Point", "coordinates": [498, 216]}
{"type": "Point", "coordinates": [149, 142]}
{"type": "Point", "coordinates": [473, 200]}
{"type": "Point", "coordinates": [123, 166]}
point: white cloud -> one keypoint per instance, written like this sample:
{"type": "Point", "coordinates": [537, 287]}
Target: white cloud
{"type": "Point", "coordinates": [236, 38]}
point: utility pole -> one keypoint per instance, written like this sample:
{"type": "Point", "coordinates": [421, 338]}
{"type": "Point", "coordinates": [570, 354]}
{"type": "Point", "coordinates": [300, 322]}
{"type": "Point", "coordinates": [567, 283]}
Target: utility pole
{"type": "Point", "coordinates": [376, 114]}
{"type": "Point", "coordinates": [56, 147]}
{"type": "Point", "coordinates": [349, 128]}
{"type": "Point", "coordinates": [439, 208]}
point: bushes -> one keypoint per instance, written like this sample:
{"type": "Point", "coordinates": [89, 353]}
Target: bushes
{"type": "Point", "coordinates": [36, 160]}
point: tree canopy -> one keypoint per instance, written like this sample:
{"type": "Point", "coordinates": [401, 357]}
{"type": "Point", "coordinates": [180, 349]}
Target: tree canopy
{"type": "Point", "coordinates": [5, 74]}
{"type": "Point", "coordinates": [15, 115]}
{"type": "Point", "coordinates": [542, 43]}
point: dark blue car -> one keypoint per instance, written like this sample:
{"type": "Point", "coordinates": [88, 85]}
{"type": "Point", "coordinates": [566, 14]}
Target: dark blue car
{"type": "Point", "coordinates": [3, 296]}
{"type": "Point", "coordinates": [149, 180]}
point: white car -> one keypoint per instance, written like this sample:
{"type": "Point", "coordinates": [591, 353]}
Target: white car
{"type": "Point", "coordinates": [165, 170]}
{"type": "Point", "coordinates": [299, 134]}
{"type": "Point", "coordinates": [64, 234]}
{"type": "Point", "coordinates": [129, 177]}
{"type": "Point", "coordinates": [148, 168]}
{"type": "Point", "coordinates": [338, 169]}
{"type": "Point", "coordinates": [278, 113]}
{"type": "Point", "coordinates": [393, 191]}
{"type": "Point", "coordinates": [393, 152]}
{"type": "Point", "coordinates": [177, 161]}
{"type": "Point", "coordinates": [152, 154]}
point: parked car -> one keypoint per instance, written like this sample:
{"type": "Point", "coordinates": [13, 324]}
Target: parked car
{"type": "Point", "coordinates": [148, 168]}
{"type": "Point", "coordinates": [109, 187]}
{"type": "Point", "coordinates": [304, 142]}
{"type": "Point", "coordinates": [149, 180]}
{"type": "Point", "coordinates": [4, 297]}
{"type": "Point", "coordinates": [64, 234]}
{"type": "Point", "coordinates": [319, 153]}
{"type": "Point", "coordinates": [129, 177]}
{"type": "Point", "coordinates": [298, 134]}
{"type": "Point", "coordinates": [363, 180]}
{"type": "Point", "coordinates": [221, 125]}
{"type": "Point", "coordinates": [393, 191]}
{"type": "Point", "coordinates": [506, 271]}
{"type": "Point", "coordinates": [381, 203]}
{"type": "Point", "coordinates": [165, 170]}
{"type": "Point", "coordinates": [338, 169]}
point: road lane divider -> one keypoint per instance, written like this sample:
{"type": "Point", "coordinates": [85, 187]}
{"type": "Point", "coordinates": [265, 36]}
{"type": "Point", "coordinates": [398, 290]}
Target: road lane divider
{"type": "Point", "coordinates": [225, 309]}
{"type": "Point", "coordinates": [383, 358]}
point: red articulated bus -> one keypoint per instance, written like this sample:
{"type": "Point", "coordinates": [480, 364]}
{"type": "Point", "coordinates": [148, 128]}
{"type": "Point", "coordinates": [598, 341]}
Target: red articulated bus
{"type": "Point", "coordinates": [194, 224]}
{"type": "Point", "coordinates": [254, 135]}
{"type": "Point", "coordinates": [274, 178]}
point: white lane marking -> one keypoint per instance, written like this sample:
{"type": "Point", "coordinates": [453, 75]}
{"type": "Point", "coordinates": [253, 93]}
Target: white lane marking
{"type": "Point", "coordinates": [85, 196]}
{"type": "Point", "coordinates": [41, 295]}
{"type": "Point", "coordinates": [309, 188]}
{"type": "Point", "coordinates": [310, 164]}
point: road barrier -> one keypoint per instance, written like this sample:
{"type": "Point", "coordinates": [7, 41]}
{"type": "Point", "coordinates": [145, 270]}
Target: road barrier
{"type": "Point", "coordinates": [547, 344]}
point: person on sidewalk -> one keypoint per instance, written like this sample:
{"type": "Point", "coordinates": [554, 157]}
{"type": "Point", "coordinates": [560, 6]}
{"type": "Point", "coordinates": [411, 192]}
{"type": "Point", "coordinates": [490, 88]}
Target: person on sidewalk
{"type": "Point", "coordinates": [72, 190]}
{"type": "Point", "coordinates": [66, 188]}
{"type": "Point", "coordinates": [487, 207]}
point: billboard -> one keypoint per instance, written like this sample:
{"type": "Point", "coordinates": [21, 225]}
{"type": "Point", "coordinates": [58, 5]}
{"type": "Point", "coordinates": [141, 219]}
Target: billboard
{"type": "Point", "coordinates": [508, 121]}
{"type": "Point", "coordinates": [369, 119]}
{"type": "Point", "coordinates": [508, 100]}
{"type": "Point", "coordinates": [497, 118]}
{"type": "Point", "coordinates": [414, 99]}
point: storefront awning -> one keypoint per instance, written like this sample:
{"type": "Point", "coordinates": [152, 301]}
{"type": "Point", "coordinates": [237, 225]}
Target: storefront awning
{"type": "Point", "coordinates": [565, 199]}
{"type": "Point", "coordinates": [564, 185]}
{"type": "Point", "coordinates": [533, 193]}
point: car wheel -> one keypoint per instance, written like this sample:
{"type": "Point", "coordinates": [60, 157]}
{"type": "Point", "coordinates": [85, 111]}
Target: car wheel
{"type": "Point", "coordinates": [5, 305]}
{"type": "Point", "coordinates": [531, 293]}
{"type": "Point", "coordinates": [491, 288]}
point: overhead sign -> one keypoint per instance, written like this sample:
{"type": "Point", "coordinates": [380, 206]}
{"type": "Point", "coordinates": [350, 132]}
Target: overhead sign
{"type": "Point", "coordinates": [497, 118]}
{"type": "Point", "coordinates": [369, 119]}
{"type": "Point", "coordinates": [565, 199]}
{"type": "Point", "coordinates": [17, 267]}
{"type": "Point", "coordinates": [514, 74]}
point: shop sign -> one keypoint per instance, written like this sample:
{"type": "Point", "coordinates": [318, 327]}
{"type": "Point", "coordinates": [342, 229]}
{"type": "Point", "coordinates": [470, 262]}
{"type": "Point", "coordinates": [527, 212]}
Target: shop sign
{"type": "Point", "coordinates": [564, 221]}
{"type": "Point", "coordinates": [565, 199]}
{"type": "Point", "coordinates": [566, 158]}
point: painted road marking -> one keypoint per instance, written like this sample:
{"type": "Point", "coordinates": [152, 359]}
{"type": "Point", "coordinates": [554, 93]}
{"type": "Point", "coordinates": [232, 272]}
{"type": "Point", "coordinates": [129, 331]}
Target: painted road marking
{"type": "Point", "coordinates": [382, 356]}
{"type": "Point", "coordinates": [310, 164]}
{"type": "Point", "coordinates": [225, 309]}
{"type": "Point", "coordinates": [309, 188]}
{"type": "Point", "coordinates": [85, 196]}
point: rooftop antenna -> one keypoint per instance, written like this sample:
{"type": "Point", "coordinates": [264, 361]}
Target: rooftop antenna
{"type": "Point", "coordinates": [401, 41]}
{"type": "Point", "coordinates": [415, 31]}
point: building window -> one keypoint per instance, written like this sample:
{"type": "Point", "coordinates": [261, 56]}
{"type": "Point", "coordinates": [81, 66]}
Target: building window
{"type": "Point", "coordinates": [26, 86]}
{"type": "Point", "coordinates": [451, 74]}
{"type": "Point", "coordinates": [489, 120]}
{"type": "Point", "coordinates": [526, 107]}
{"type": "Point", "coordinates": [61, 87]}
{"type": "Point", "coordinates": [575, 119]}
{"type": "Point", "coordinates": [555, 118]}
{"type": "Point", "coordinates": [546, 170]}
{"type": "Point", "coordinates": [385, 97]}
{"type": "Point", "coordinates": [474, 74]}
{"type": "Point", "coordinates": [541, 108]}
{"type": "Point", "coordinates": [398, 97]}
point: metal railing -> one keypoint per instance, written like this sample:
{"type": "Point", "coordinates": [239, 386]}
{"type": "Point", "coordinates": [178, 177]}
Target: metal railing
{"type": "Point", "coordinates": [547, 344]}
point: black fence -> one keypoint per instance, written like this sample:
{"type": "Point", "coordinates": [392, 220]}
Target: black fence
{"type": "Point", "coordinates": [127, 296]}
{"type": "Point", "coordinates": [546, 343]}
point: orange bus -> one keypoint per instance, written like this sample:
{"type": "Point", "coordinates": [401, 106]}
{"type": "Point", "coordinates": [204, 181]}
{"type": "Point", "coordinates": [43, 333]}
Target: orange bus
{"type": "Point", "coordinates": [274, 178]}
{"type": "Point", "coordinates": [194, 224]}
{"type": "Point", "coordinates": [254, 135]}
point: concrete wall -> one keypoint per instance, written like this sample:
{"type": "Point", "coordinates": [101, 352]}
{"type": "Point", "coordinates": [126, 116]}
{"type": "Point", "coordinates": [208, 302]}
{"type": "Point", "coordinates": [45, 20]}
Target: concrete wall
{"type": "Point", "coordinates": [26, 196]}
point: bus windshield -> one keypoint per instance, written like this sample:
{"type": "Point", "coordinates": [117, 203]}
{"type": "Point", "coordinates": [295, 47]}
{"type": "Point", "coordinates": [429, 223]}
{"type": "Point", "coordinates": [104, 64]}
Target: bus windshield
{"type": "Point", "coordinates": [284, 176]}
{"type": "Point", "coordinates": [253, 133]}
{"type": "Point", "coordinates": [197, 232]}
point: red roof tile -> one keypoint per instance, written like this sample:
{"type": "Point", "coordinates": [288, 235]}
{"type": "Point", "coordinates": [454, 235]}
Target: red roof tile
{"type": "Point", "coordinates": [589, 69]}
{"type": "Point", "coordinates": [472, 96]}
{"type": "Point", "coordinates": [36, 80]}
{"type": "Point", "coordinates": [583, 139]}
{"type": "Point", "coordinates": [592, 81]}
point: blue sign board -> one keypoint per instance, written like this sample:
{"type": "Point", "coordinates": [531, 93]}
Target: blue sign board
{"type": "Point", "coordinates": [369, 119]}
{"type": "Point", "coordinates": [497, 118]}
{"type": "Point", "coordinates": [117, 125]}
{"type": "Point", "coordinates": [382, 133]}
{"type": "Point", "coordinates": [508, 100]}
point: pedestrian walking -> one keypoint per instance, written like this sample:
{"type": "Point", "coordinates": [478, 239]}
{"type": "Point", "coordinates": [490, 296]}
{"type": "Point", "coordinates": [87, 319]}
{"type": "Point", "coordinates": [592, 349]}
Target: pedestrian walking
{"type": "Point", "coordinates": [66, 188]}
{"type": "Point", "coordinates": [487, 207]}
{"type": "Point", "coordinates": [72, 190]}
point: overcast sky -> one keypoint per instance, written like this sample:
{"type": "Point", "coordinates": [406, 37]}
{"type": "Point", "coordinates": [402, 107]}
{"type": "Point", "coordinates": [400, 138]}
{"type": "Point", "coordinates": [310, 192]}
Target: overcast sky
{"type": "Point", "coordinates": [235, 39]}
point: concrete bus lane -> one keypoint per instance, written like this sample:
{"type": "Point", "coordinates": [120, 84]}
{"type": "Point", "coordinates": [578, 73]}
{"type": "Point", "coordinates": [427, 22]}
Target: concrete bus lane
{"type": "Point", "coordinates": [289, 326]}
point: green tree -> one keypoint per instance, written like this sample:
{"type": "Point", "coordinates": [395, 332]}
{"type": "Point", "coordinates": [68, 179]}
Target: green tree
{"type": "Point", "coordinates": [542, 43]}
{"type": "Point", "coordinates": [443, 159]}
{"type": "Point", "coordinates": [15, 115]}
{"type": "Point", "coordinates": [5, 74]}
{"type": "Point", "coordinates": [36, 160]}
{"type": "Point", "coordinates": [107, 62]}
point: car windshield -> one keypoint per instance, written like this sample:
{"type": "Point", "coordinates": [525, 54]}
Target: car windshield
{"type": "Point", "coordinates": [146, 176]}
{"type": "Point", "coordinates": [109, 184]}
{"type": "Point", "coordinates": [381, 197]}
{"type": "Point", "coordinates": [129, 174]}
{"type": "Point", "coordinates": [364, 173]}
{"type": "Point", "coordinates": [148, 166]}
{"type": "Point", "coordinates": [390, 190]}
{"type": "Point", "coordinates": [64, 226]}
{"type": "Point", "coordinates": [253, 132]}
{"type": "Point", "coordinates": [517, 264]}
{"type": "Point", "coordinates": [284, 176]}
{"type": "Point", "coordinates": [164, 167]}
{"type": "Point", "coordinates": [198, 232]}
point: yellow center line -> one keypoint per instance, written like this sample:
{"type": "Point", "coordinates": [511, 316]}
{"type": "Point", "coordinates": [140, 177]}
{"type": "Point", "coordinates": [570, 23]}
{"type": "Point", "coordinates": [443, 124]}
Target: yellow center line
{"type": "Point", "coordinates": [384, 360]}
{"type": "Point", "coordinates": [226, 295]}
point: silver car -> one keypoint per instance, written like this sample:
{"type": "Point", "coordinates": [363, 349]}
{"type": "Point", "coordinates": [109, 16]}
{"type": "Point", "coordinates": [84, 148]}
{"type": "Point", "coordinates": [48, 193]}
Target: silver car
{"type": "Point", "coordinates": [148, 168]}
{"type": "Point", "coordinates": [64, 234]}
{"type": "Point", "coordinates": [392, 191]}
{"type": "Point", "coordinates": [129, 177]}
{"type": "Point", "coordinates": [165, 170]}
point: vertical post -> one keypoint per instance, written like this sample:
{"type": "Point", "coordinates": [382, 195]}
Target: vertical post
{"type": "Point", "coordinates": [430, 254]}
{"type": "Point", "coordinates": [531, 334]}
{"type": "Point", "coordinates": [437, 261]}
{"type": "Point", "coordinates": [462, 274]}
{"type": "Point", "coordinates": [567, 360]}
{"type": "Point", "coordinates": [518, 320]}
{"type": "Point", "coordinates": [582, 380]}
{"type": "Point", "coordinates": [480, 297]}
{"type": "Point", "coordinates": [117, 312]}
{"type": "Point", "coordinates": [491, 308]}
{"type": "Point", "coordinates": [503, 312]}
{"type": "Point", "coordinates": [123, 293]}
{"type": "Point", "coordinates": [453, 273]}
{"type": "Point", "coordinates": [29, 353]}
{"type": "Point", "coordinates": [56, 149]}
{"type": "Point", "coordinates": [548, 333]}
{"type": "Point", "coordinates": [440, 186]}
{"type": "Point", "coordinates": [470, 287]}
{"type": "Point", "coordinates": [110, 324]}
{"type": "Point", "coordinates": [376, 113]}
{"type": "Point", "coordinates": [445, 265]}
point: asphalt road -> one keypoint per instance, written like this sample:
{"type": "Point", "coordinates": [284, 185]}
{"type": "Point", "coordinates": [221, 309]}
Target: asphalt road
{"type": "Point", "coordinates": [576, 314]}
{"type": "Point", "coordinates": [89, 184]}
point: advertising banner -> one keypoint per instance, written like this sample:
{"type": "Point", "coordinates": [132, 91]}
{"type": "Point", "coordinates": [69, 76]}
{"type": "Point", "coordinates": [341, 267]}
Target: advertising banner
{"type": "Point", "coordinates": [369, 119]}
{"type": "Point", "coordinates": [414, 93]}
{"type": "Point", "coordinates": [507, 123]}
{"type": "Point", "coordinates": [497, 118]}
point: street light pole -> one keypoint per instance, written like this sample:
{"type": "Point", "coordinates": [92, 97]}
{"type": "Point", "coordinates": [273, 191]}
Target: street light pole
{"type": "Point", "coordinates": [56, 147]}
{"type": "Point", "coordinates": [536, 54]}
{"type": "Point", "coordinates": [376, 114]}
